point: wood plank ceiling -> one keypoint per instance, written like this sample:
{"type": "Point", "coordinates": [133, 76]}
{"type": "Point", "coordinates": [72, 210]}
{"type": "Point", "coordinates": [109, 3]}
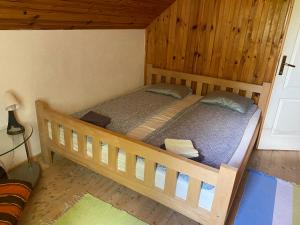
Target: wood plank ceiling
{"type": "Point", "coordinates": [79, 14]}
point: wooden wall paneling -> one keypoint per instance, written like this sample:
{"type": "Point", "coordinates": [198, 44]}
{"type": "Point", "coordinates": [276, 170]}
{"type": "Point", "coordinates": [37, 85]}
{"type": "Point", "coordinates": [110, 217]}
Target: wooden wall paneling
{"type": "Point", "coordinates": [278, 38]}
{"type": "Point", "coordinates": [268, 42]}
{"type": "Point", "coordinates": [191, 47]}
{"type": "Point", "coordinates": [220, 38]}
{"type": "Point", "coordinates": [171, 36]}
{"type": "Point", "coordinates": [255, 50]}
{"type": "Point", "coordinates": [232, 26]}
{"type": "Point", "coordinates": [250, 40]}
{"type": "Point", "coordinates": [181, 33]}
{"type": "Point", "coordinates": [207, 34]}
{"type": "Point", "coordinates": [162, 38]}
{"type": "Point", "coordinates": [230, 39]}
{"type": "Point", "coordinates": [239, 40]}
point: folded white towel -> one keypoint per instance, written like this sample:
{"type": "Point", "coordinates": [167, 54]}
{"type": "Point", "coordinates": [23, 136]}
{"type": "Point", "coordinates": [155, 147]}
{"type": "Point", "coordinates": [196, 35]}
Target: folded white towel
{"type": "Point", "coordinates": [181, 147]}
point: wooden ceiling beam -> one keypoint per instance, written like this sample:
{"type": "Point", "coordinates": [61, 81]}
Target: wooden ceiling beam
{"type": "Point", "coordinates": [79, 14]}
{"type": "Point", "coordinates": [50, 25]}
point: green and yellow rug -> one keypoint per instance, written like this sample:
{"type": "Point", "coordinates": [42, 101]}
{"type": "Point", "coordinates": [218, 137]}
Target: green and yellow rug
{"type": "Point", "coordinates": [92, 211]}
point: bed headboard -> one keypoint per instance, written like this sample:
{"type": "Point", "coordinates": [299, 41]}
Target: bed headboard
{"type": "Point", "coordinates": [202, 85]}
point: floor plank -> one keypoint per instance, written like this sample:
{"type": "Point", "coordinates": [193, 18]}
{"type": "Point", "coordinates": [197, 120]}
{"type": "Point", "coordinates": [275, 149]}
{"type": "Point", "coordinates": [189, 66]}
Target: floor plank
{"type": "Point", "coordinates": [65, 182]}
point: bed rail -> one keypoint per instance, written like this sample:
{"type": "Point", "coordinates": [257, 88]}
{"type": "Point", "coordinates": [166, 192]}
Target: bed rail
{"type": "Point", "coordinates": [223, 179]}
{"type": "Point", "coordinates": [202, 85]}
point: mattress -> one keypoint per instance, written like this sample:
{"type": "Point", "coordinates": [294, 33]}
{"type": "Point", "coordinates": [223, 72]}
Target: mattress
{"type": "Point", "coordinates": [131, 110]}
{"type": "Point", "coordinates": [215, 131]}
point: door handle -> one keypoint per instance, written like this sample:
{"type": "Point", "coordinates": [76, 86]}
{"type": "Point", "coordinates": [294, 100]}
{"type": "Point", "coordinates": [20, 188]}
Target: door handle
{"type": "Point", "coordinates": [284, 63]}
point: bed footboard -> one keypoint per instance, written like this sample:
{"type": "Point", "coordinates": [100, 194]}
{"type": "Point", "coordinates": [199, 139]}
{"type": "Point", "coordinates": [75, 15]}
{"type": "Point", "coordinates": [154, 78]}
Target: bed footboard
{"type": "Point", "coordinates": [223, 179]}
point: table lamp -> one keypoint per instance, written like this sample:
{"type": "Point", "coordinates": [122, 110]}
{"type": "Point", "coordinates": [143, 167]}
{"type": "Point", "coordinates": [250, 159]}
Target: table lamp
{"type": "Point", "coordinates": [11, 105]}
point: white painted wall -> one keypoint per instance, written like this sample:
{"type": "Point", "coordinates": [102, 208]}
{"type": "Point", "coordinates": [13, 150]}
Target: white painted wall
{"type": "Point", "coordinates": [71, 70]}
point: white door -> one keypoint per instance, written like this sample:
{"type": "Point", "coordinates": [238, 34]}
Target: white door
{"type": "Point", "coordinates": [281, 130]}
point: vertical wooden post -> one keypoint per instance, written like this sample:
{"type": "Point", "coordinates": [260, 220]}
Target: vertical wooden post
{"type": "Point", "coordinates": [130, 165]}
{"type": "Point", "coordinates": [112, 157]}
{"type": "Point", "coordinates": [236, 90]}
{"type": "Point", "coordinates": [170, 182]}
{"type": "Point", "coordinates": [249, 94]}
{"type": "Point", "coordinates": [263, 98]}
{"type": "Point", "coordinates": [42, 126]}
{"type": "Point", "coordinates": [96, 150]}
{"type": "Point", "coordinates": [224, 189]}
{"type": "Point", "coordinates": [223, 88]}
{"type": "Point", "coordinates": [157, 79]}
{"type": "Point", "coordinates": [188, 83]}
{"type": "Point", "coordinates": [199, 88]}
{"type": "Point", "coordinates": [211, 88]}
{"type": "Point", "coordinates": [149, 74]}
{"type": "Point", "coordinates": [194, 192]}
{"type": "Point", "coordinates": [168, 79]}
{"type": "Point", "coordinates": [55, 132]}
{"type": "Point", "coordinates": [68, 139]}
{"type": "Point", "coordinates": [149, 172]}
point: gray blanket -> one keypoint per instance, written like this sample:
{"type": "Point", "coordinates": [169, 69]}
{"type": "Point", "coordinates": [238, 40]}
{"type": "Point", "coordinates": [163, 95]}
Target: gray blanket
{"type": "Point", "coordinates": [215, 131]}
{"type": "Point", "coordinates": [131, 110]}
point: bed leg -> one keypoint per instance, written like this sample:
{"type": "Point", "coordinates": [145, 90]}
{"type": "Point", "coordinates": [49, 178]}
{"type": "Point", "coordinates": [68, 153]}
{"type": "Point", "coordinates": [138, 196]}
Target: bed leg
{"type": "Point", "coordinates": [224, 190]}
{"type": "Point", "coordinates": [46, 153]}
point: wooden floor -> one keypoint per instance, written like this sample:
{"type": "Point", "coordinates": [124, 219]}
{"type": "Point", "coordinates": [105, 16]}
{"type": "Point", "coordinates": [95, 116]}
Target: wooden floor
{"type": "Point", "coordinates": [65, 182]}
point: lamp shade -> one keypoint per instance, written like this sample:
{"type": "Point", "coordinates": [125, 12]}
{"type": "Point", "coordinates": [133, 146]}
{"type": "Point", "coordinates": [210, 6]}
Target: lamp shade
{"type": "Point", "coordinates": [11, 103]}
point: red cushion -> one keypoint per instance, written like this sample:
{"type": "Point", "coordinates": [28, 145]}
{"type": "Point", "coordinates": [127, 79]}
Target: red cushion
{"type": "Point", "coordinates": [13, 196]}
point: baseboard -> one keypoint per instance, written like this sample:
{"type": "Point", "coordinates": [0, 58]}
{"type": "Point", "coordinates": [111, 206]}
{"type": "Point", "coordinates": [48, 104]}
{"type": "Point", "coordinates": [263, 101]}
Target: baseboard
{"type": "Point", "coordinates": [33, 158]}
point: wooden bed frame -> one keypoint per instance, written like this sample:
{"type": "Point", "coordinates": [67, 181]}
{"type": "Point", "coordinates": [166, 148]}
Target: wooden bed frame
{"type": "Point", "coordinates": [226, 179]}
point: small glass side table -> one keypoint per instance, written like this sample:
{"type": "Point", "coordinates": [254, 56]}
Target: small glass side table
{"type": "Point", "coordinates": [29, 171]}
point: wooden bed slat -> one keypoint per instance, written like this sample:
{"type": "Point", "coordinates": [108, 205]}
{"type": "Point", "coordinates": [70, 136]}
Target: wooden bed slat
{"type": "Point", "coordinates": [210, 88]}
{"type": "Point", "coordinates": [55, 132]}
{"type": "Point", "coordinates": [249, 94]}
{"type": "Point", "coordinates": [188, 83]}
{"type": "Point", "coordinates": [149, 74]}
{"type": "Point", "coordinates": [193, 192]}
{"type": "Point", "coordinates": [168, 80]}
{"type": "Point", "coordinates": [112, 157]}
{"type": "Point", "coordinates": [236, 90]}
{"type": "Point", "coordinates": [157, 78]}
{"type": "Point", "coordinates": [170, 182]}
{"type": "Point", "coordinates": [149, 172]}
{"type": "Point", "coordinates": [199, 88]}
{"type": "Point", "coordinates": [68, 139]}
{"type": "Point", "coordinates": [81, 144]}
{"type": "Point", "coordinates": [96, 150]}
{"type": "Point", "coordinates": [130, 165]}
